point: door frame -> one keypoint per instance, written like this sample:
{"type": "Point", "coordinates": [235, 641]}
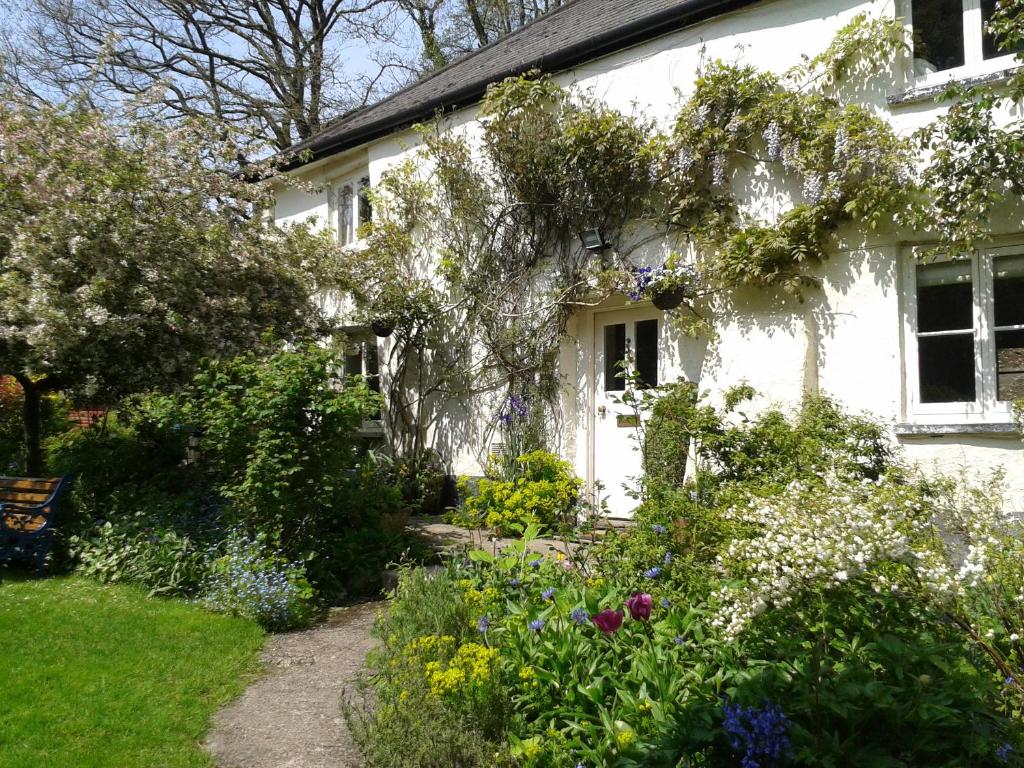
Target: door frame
{"type": "Point", "coordinates": [613, 304]}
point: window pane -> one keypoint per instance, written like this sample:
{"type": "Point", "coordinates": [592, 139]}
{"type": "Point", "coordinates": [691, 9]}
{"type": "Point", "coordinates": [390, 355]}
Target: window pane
{"type": "Point", "coordinates": [946, 368]}
{"type": "Point", "coordinates": [1008, 272]}
{"type": "Point", "coordinates": [938, 35]}
{"type": "Point", "coordinates": [372, 365]}
{"type": "Point", "coordinates": [944, 297]}
{"type": "Point", "coordinates": [345, 216]}
{"type": "Point", "coordinates": [1010, 364]}
{"type": "Point", "coordinates": [990, 45]}
{"type": "Point", "coordinates": [365, 209]}
{"type": "Point", "coordinates": [647, 352]}
{"type": "Point", "coordinates": [614, 355]}
{"type": "Point", "coordinates": [354, 362]}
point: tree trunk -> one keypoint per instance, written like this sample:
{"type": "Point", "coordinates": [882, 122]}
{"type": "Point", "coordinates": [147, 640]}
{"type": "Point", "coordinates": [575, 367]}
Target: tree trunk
{"type": "Point", "coordinates": [32, 417]}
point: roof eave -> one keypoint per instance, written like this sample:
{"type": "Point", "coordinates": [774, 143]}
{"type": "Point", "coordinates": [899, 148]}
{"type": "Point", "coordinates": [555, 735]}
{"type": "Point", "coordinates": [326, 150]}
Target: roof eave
{"type": "Point", "coordinates": [624, 37]}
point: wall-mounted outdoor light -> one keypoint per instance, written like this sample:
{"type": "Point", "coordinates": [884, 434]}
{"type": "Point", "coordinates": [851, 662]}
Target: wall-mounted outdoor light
{"type": "Point", "coordinates": [593, 240]}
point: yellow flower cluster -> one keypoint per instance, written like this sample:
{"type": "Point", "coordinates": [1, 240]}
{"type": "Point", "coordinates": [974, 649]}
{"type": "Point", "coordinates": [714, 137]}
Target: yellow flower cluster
{"type": "Point", "coordinates": [479, 600]}
{"type": "Point", "coordinates": [431, 645]}
{"type": "Point", "coordinates": [528, 677]}
{"type": "Point", "coordinates": [472, 665]}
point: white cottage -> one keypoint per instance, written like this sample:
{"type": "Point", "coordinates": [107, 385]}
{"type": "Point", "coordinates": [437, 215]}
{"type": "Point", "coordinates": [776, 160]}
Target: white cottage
{"type": "Point", "coordinates": [869, 337]}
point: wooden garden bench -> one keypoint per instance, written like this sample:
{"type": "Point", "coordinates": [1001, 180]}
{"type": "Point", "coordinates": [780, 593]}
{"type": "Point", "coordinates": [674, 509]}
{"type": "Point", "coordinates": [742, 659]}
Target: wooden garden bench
{"type": "Point", "coordinates": [27, 509]}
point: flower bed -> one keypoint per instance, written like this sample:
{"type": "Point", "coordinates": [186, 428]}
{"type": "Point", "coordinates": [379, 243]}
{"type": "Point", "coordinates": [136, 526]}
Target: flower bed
{"type": "Point", "coordinates": [816, 618]}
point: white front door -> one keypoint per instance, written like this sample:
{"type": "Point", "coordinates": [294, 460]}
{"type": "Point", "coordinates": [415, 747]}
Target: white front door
{"type": "Point", "coordinates": [625, 342]}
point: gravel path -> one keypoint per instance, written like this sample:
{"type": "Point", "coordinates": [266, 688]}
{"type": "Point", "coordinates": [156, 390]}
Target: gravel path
{"type": "Point", "coordinates": [291, 717]}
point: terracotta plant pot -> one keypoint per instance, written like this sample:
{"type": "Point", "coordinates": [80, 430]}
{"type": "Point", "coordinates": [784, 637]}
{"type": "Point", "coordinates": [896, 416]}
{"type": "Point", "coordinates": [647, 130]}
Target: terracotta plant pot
{"type": "Point", "coordinates": [382, 327]}
{"type": "Point", "coordinates": [668, 299]}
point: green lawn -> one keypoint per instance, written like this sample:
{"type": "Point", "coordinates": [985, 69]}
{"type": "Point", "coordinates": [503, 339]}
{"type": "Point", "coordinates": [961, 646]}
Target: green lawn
{"type": "Point", "coordinates": [94, 675]}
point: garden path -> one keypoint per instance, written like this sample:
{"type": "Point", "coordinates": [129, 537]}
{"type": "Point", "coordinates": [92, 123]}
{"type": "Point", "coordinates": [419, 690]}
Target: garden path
{"type": "Point", "coordinates": [291, 717]}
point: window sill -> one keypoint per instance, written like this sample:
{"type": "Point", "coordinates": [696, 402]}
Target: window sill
{"type": "Point", "coordinates": [373, 428]}
{"type": "Point", "coordinates": [929, 92]}
{"type": "Point", "coordinates": [991, 429]}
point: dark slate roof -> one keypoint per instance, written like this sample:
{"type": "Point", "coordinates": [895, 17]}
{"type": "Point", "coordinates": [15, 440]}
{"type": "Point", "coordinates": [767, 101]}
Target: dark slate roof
{"type": "Point", "coordinates": [576, 32]}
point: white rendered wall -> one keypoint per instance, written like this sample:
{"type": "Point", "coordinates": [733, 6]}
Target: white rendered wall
{"type": "Point", "coordinates": [844, 340]}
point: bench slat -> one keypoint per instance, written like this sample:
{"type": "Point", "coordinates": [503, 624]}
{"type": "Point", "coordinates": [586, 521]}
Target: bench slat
{"type": "Point", "coordinates": [29, 499]}
{"type": "Point", "coordinates": [30, 483]}
{"type": "Point", "coordinates": [14, 521]}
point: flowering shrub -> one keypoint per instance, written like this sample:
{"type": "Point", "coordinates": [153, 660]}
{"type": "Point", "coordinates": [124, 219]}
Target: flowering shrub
{"type": "Point", "coordinates": [547, 492]}
{"type": "Point", "coordinates": [251, 581]}
{"type": "Point", "coordinates": [814, 537]}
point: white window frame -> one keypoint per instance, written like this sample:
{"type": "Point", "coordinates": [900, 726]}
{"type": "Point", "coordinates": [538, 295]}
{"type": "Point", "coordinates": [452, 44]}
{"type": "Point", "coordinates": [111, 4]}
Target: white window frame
{"type": "Point", "coordinates": [986, 409]}
{"type": "Point", "coordinates": [364, 339]}
{"type": "Point", "coordinates": [354, 183]}
{"type": "Point", "coordinates": [975, 63]}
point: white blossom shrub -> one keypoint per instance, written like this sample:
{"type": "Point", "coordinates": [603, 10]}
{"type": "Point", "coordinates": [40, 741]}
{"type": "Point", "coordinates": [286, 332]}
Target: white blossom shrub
{"type": "Point", "coordinates": [814, 536]}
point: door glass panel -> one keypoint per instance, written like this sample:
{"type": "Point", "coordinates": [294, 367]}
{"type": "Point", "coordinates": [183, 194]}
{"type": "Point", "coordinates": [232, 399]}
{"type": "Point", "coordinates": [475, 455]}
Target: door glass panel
{"type": "Point", "coordinates": [647, 352]}
{"type": "Point", "coordinates": [938, 35]}
{"type": "Point", "coordinates": [614, 357]}
{"type": "Point", "coordinates": [1010, 364]}
{"type": "Point", "coordinates": [945, 299]}
{"type": "Point", "coordinates": [946, 367]}
{"type": "Point", "coordinates": [1008, 273]}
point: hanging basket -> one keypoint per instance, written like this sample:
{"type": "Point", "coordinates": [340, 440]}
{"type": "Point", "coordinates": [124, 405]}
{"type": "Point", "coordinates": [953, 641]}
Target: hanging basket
{"type": "Point", "coordinates": [668, 299]}
{"type": "Point", "coordinates": [382, 327]}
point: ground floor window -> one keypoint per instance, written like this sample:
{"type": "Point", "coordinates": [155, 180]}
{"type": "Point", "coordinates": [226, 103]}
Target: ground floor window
{"type": "Point", "coordinates": [966, 322]}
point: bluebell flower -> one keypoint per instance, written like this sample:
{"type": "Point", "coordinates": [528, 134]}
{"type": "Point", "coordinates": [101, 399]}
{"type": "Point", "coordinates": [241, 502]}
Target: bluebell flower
{"type": "Point", "coordinates": [679, 640]}
{"type": "Point", "coordinates": [514, 582]}
{"type": "Point", "coordinates": [759, 734]}
{"type": "Point", "coordinates": [483, 624]}
{"type": "Point", "coordinates": [666, 603]}
{"type": "Point", "coordinates": [693, 495]}
{"type": "Point", "coordinates": [658, 528]}
{"type": "Point", "coordinates": [548, 593]}
{"type": "Point", "coordinates": [652, 573]}
{"type": "Point", "coordinates": [668, 558]}
{"type": "Point", "coordinates": [537, 625]}
{"type": "Point", "coordinates": [579, 615]}
{"type": "Point", "coordinates": [1008, 682]}
{"type": "Point", "coordinates": [1004, 751]}
{"type": "Point", "coordinates": [535, 563]}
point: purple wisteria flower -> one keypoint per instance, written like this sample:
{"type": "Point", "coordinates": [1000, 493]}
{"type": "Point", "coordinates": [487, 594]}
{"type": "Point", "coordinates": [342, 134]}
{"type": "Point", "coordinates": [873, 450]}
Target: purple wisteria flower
{"type": "Point", "coordinates": [483, 624]}
{"type": "Point", "coordinates": [537, 625]}
{"type": "Point", "coordinates": [759, 734]}
{"type": "Point", "coordinates": [579, 615]}
{"type": "Point", "coordinates": [644, 277]}
{"type": "Point", "coordinates": [548, 593]}
{"type": "Point", "coordinates": [652, 573]}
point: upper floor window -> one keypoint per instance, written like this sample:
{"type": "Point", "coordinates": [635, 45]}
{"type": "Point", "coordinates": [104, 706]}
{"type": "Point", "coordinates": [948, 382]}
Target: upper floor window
{"type": "Point", "coordinates": [353, 208]}
{"type": "Point", "coordinates": [950, 34]}
{"type": "Point", "coordinates": [966, 322]}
